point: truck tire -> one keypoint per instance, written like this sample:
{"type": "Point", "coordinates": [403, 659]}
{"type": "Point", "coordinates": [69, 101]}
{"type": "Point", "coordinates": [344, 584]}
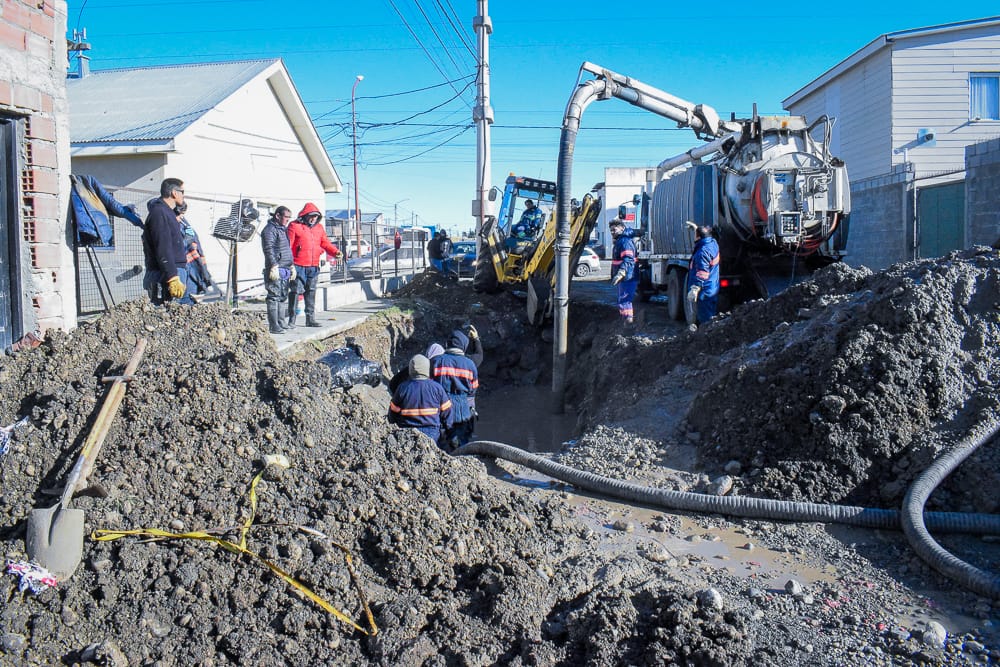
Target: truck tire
{"type": "Point", "coordinates": [675, 295]}
{"type": "Point", "coordinates": [485, 279]}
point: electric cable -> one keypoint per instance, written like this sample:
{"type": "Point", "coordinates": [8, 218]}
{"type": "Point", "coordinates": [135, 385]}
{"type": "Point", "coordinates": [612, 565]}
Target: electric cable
{"type": "Point", "coordinates": [424, 48]}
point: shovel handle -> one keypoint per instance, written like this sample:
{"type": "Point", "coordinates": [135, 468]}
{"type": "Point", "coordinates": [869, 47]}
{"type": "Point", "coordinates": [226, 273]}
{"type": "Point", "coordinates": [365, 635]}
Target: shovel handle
{"type": "Point", "coordinates": [95, 439]}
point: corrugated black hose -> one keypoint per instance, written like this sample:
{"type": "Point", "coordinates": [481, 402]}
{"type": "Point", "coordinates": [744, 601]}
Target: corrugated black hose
{"type": "Point", "coordinates": [754, 508]}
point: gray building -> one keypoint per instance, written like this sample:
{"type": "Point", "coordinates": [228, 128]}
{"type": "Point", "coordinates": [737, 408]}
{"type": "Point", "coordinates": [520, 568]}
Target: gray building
{"type": "Point", "coordinates": [916, 111]}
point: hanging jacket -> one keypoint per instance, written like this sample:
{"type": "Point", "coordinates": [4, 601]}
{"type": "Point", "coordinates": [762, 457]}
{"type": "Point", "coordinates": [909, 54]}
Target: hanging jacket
{"type": "Point", "coordinates": [274, 243]}
{"type": "Point", "coordinates": [162, 241]}
{"type": "Point", "coordinates": [308, 242]}
{"type": "Point", "coordinates": [623, 257]}
{"type": "Point", "coordinates": [91, 204]}
{"type": "Point", "coordinates": [703, 269]}
{"type": "Point", "coordinates": [422, 404]}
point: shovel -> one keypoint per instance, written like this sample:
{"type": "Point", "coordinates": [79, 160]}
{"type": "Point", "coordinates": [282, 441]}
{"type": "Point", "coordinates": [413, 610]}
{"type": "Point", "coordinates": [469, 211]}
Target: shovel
{"type": "Point", "coordinates": [54, 537]}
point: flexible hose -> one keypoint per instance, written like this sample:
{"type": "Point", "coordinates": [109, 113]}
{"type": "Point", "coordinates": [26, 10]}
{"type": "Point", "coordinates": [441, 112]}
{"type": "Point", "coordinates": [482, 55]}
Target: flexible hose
{"type": "Point", "coordinates": [913, 517]}
{"type": "Point", "coordinates": [743, 506]}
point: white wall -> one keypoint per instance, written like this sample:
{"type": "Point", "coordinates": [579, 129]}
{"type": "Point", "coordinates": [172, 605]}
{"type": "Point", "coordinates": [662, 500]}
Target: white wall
{"type": "Point", "coordinates": [930, 89]}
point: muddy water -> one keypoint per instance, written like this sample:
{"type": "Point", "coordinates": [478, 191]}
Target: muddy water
{"type": "Point", "coordinates": [520, 416]}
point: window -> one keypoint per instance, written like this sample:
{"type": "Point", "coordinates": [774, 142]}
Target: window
{"type": "Point", "coordinates": [984, 96]}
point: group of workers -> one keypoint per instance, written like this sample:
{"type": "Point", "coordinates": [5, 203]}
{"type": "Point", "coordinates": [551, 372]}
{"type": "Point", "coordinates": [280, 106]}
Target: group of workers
{"type": "Point", "coordinates": [436, 393]}
{"type": "Point", "coordinates": [702, 288]}
{"type": "Point", "coordinates": [439, 251]}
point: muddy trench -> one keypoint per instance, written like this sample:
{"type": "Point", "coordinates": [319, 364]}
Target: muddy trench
{"type": "Point", "coordinates": [842, 389]}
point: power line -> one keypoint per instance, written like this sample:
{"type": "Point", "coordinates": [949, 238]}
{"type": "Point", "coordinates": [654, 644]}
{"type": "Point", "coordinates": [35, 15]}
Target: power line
{"type": "Point", "coordinates": [416, 155]}
{"type": "Point", "coordinates": [430, 25]}
{"type": "Point", "coordinates": [461, 35]}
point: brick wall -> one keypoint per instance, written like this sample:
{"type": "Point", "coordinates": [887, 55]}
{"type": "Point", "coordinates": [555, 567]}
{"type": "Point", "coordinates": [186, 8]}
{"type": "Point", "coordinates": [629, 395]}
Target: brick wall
{"type": "Point", "coordinates": [33, 91]}
{"type": "Point", "coordinates": [982, 193]}
{"type": "Point", "coordinates": [881, 231]}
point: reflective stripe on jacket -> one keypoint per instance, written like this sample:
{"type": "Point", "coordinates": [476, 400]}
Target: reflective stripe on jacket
{"type": "Point", "coordinates": [623, 256]}
{"type": "Point", "coordinates": [419, 404]}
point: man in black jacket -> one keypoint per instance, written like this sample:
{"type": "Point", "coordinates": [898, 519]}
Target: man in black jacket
{"type": "Point", "coordinates": [163, 247]}
{"type": "Point", "coordinates": [278, 268]}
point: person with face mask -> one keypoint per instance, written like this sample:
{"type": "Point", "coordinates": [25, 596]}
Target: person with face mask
{"type": "Point", "coordinates": [623, 271]}
{"type": "Point", "coordinates": [308, 241]}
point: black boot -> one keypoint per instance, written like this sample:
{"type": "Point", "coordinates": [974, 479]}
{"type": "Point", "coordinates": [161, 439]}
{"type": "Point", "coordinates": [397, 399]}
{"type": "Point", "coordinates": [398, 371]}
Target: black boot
{"type": "Point", "coordinates": [292, 298]}
{"type": "Point", "coordinates": [310, 308]}
{"type": "Point", "coordinates": [273, 319]}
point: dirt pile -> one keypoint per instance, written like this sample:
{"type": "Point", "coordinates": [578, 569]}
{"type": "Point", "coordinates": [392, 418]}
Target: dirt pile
{"type": "Point", "coordinates": [842, 388]}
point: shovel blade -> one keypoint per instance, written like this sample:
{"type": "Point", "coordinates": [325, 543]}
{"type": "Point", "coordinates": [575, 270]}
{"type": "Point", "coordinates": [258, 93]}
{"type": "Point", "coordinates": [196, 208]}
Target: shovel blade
{"type": "Point", "coordinates": [54, 539]}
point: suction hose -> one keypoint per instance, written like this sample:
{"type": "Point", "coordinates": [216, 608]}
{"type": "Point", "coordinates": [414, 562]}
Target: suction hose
{"type": "Point", "coordinates": [913, 517]}
{"type": "Point", "coordinates": [743, 506]}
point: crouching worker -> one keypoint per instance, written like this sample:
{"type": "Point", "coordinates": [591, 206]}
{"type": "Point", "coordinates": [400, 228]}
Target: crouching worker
{"type": "Point", "coordinates": [459, 377]}
{"type": "Point", "coordinates": [420, 402]}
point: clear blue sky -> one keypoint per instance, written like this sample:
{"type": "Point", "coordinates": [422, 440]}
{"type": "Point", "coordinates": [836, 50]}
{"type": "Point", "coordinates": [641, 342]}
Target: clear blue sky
{"type": "Point", "coordinates": [417, 150]}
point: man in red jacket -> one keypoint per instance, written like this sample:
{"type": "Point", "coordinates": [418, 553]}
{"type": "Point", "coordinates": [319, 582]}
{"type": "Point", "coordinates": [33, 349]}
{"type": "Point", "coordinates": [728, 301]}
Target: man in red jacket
{"type": "Point", "coordinates": [308, 240]}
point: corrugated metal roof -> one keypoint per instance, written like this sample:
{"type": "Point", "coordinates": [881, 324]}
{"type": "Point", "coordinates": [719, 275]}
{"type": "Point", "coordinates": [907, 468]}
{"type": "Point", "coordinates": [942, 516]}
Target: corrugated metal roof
{"type": "Point", "coordinates": [345, 214]}
{"type": "Point", "coordinates": [151, 103]}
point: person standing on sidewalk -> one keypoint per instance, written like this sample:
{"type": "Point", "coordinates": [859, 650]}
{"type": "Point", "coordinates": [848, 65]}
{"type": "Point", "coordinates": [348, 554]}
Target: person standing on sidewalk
{"type": "Point", "coordinates": [278, 268]}
{"type": "Point", "coordinates": [307, 239]}
{"type": "Point", "coordinates": [163, 247]}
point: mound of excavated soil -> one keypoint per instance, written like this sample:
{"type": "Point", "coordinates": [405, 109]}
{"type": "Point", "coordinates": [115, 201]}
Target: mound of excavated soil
{"type": "Point", "coordinates": [842, 388]}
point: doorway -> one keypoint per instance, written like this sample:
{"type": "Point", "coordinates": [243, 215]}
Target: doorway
{"type": "Point", "coordinates": [10, 269]}
{"type": "Point", "coordinates": [941, 219]}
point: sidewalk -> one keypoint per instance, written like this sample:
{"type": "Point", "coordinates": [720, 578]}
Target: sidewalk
{"type": "Point", "coordinates": [339, 308]}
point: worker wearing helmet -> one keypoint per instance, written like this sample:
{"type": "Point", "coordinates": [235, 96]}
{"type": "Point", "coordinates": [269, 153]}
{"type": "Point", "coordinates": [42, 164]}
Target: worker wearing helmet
{"type": "Point", "coordinates": [703, 275]}
{"type": "Point", "coordinates": [623, 270]}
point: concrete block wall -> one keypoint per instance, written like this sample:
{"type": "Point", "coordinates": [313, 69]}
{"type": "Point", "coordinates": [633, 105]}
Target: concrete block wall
{"type": "Point", "coordinates": [33, 67]}
{"type": "Point", "coordinates": [982, 193]}
{"type": "Point", "coordinates": [881, 231]}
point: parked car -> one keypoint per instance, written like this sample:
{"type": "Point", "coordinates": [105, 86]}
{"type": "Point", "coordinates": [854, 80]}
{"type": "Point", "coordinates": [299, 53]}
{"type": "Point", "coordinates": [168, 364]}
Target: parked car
{"type": "Point", "coordinates": [352, 248]}
{"type": "Point", "coordinates": [588, 263]}
{"type": "Point", "coordinates": [409, 260]}
{"type": "Point", "coordinates": [463, 256]}
{"type": "Point", "coordinates": [597, 247]}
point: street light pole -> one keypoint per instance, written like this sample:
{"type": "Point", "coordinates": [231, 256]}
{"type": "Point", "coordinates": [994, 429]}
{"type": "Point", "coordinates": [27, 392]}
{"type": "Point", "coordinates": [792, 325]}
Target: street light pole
{"type": "Point", "coordinates": [354, 141]}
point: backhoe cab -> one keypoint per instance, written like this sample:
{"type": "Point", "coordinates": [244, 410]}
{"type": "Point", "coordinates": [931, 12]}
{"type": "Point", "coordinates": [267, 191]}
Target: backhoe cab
{"type": "Point", "coordinates": [529, 264]}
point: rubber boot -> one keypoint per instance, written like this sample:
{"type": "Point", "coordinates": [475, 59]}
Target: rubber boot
{"type": "Point", "coordinates": [273, 319]}
{"type": "Point", "coordinates": [310, 308]}
{"type": "Point", "coordinates": [292, 298]}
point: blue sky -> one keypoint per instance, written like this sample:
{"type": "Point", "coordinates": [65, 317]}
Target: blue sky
{"type": "Point", "coordinates": [417, 150]}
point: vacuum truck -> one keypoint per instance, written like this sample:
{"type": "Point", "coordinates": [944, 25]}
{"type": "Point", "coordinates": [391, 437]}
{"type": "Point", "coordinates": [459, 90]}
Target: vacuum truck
{"type": "Point", "coordinates": [777, 199]}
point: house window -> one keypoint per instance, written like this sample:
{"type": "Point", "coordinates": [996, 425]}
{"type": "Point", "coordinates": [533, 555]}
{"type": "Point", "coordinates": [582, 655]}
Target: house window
{"type": "Point", "coordinates": [984, 96]}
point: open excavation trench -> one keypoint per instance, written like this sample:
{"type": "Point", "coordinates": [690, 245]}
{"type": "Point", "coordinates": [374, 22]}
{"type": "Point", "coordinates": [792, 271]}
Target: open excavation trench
{"type": "Point", "coordinates": [842, 389]}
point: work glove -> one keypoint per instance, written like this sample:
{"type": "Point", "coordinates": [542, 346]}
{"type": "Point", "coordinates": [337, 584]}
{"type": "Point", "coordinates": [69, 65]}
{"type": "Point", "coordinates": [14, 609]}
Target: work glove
{"type": "Point", "coordinates": [473, 334]}
{"type": "Point", "coordinates": [620, 276]}
{"type": "Point", "coordinates": [293, 274]}
{"type": "Point", "coordinates": [175, 287]}
{"type": "Point", "coordinates": [274, 274]}
{"type": "Point", "coordinates": [693, 293]}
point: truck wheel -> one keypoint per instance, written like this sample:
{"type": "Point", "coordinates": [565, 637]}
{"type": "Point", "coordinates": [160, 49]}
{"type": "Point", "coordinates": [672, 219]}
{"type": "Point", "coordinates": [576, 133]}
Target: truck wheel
{"type": "Point", "coordinates": [675, 295]}
{"type": "Point", "coordinates": [485, 278]}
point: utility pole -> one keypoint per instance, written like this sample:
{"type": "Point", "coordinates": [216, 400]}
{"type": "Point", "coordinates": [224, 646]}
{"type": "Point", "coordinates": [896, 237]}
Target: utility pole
{"type": "Point", "coordinates": [482, 116]}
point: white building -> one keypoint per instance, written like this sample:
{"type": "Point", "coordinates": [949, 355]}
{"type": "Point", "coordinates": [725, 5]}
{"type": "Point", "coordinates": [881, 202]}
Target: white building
{"type": "Point", "coordinates": [620, 185]}
{"type": "Point", "coordinates": [229, 130]}
{"type": "Point", "coordinates": [907, 107]}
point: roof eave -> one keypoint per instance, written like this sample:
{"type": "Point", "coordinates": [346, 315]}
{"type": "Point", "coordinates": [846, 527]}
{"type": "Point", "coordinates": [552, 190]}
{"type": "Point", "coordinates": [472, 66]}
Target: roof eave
{"type": "Point", "coordinates": [105, 148]}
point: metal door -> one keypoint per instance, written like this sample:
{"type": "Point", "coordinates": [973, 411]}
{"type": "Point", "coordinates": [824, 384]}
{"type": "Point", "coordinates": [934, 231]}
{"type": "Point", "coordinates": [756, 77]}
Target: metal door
{"type": "Point", "coordinates": [941, 219]}
{"type": "Point", "coordinates": [10, 283]}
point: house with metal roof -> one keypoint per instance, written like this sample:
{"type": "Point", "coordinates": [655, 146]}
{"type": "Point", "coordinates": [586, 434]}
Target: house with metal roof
{"type": "Point", "coordinates": [916, 112]}
{"type": "Point", "coordinates": [230, 130]}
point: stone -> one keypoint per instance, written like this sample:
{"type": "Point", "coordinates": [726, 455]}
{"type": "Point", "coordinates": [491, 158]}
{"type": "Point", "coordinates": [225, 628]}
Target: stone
{"type": "Point", "coordinates": [793, 587]}
{"type": "Point", "coordinates": [711, 599]}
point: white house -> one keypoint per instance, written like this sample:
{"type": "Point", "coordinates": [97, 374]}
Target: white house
{"type": "Point", "coordinates": [908, 107]}
{"type": "Point", "coordinates": [229, 130]}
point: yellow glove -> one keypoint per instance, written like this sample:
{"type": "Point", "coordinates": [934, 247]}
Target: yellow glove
{"type": "Point", "coordinates": [620, 276]}
{"type": "Point", "coordinates": [693, 294]}
{"type": "Point", "coordinates": [175, 287]}
{"type": "Point", "coordinates": [293, 274]}
{"type": "Point", "coordinates": [273, 274]}
{"type": "Point", "coordinates": [473, 334]}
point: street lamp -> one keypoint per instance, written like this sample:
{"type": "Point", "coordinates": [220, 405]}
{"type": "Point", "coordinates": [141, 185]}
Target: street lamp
{"type": "Point", "coordinates": [354, 136]}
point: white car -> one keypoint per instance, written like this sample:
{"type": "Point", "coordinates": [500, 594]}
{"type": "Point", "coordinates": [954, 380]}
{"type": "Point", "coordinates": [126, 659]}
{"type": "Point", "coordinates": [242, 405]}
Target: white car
{"type": "Point", "coordinates": [408, 260]}
{"type": "Point", "coordinates": [588, 263]}
{"type": "Point", "coordinates": [352, 248]}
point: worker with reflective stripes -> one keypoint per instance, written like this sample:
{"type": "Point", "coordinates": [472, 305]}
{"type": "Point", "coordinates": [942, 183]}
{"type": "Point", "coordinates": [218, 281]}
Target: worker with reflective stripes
{"type": "Point", "coordinates": [703, 274]}
{"type": "Point", "coordinates": [623, 272]}
{"type": "Point", "coordinates": [420, 402]}
{"type": "Point", "coordinates": [459, 377]}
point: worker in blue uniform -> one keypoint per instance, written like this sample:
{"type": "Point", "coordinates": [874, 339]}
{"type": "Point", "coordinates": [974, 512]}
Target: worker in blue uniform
{"type": "Point", "coordinates": [703, 275]}
{"type": "Point", "coordinates": [458, 375]}
{"type": "Point", "coordinates": [420, 402]}
{"type": "Point", "coordinates": [623, 270]}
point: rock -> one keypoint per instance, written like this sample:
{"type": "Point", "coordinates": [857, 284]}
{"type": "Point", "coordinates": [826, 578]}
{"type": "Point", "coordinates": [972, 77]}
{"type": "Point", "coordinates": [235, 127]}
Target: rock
{"type": "Point", "coordinates": [105, 653]}
{"type": "Point", "coordinates": [934, 635]}
{"type": "Point", "coordinates": [710, 599]}
{"type": "Point", "coordinates": [793, 587]}
{"type": "Point", "coordinates": [624, 526]}
{"type": "Point", "coordinates": [69, 617]}
{"type": "Point", "coordinates": [721, 485]}
{"type": "Point", "coordinates": [13, 643]}
{"type": "Point", "coordinates": [733, 468]}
